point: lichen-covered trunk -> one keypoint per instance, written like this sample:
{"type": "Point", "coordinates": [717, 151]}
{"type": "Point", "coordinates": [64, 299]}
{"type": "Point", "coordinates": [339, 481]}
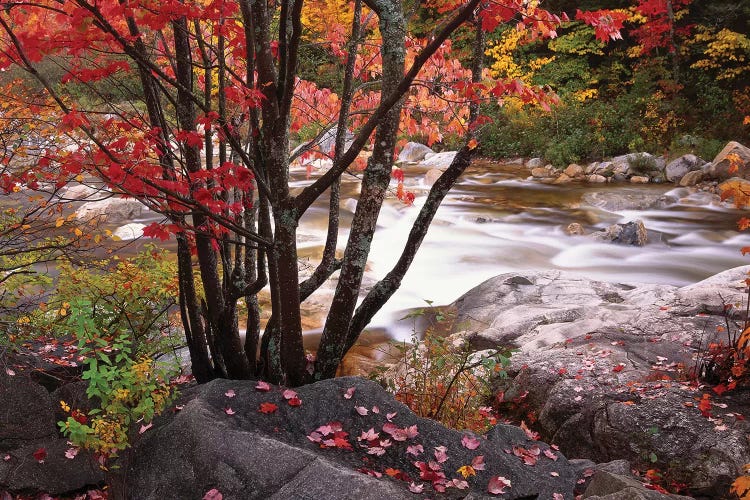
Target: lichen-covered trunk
{"type": "Point", "coordinates": [375, 182]}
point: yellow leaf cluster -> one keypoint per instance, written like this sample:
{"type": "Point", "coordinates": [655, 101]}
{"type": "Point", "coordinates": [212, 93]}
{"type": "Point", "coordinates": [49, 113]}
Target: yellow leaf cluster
{"type": "Point", "coordinates": [505, 65]}
{"type": "Point", "coordinates": [726, 51]}
{"type": "Point", "coordinates": [319, 14]}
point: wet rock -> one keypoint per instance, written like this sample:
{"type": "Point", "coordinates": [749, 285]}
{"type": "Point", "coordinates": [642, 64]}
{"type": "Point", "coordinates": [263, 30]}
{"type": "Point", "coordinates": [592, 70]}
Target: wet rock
{"type": "Point", "coordinates": [596, 179]}
{"type": "Point", "coordinates": [631, 233]}
{"type": "Point", "coordinates": [439, 160]}
{"type": "Point", "coordinates": [540, 172]}
{"type": "Point", "coordinates": [677, 168]}
{"type": "Point", "coordinates": [574, 229]}
{"type": "Point", "coordinates": [573, 170]}
{"type": "Point", "coordinates": [563, 179]}
{"type": "Point", "coordinates": [27, 414]}
{"type": "Point", "coordinates": [639, 179]}
{"type": "Point", "coordinates": [692, 178]}
{"type": "Point", "coordinates": [413, 152]}
{"type": "Point", "coordinates": [611, 486]}
{"type": "Point", "coordinates": [720, 167]}
{"type": "Point", "coordinates": [110, 210]}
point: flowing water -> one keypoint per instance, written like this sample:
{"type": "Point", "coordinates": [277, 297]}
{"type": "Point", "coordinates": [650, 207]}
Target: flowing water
{"type": "Point", "coordinates": [495, 221]}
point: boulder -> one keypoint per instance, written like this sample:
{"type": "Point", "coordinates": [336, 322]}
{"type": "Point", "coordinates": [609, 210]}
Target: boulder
{"type": "Point", "coordinates": [82, 192]}
{"type": "Point", "coordinates": [596, 179]}
{"type": "Point", "coordinates": [639, 179]}
{"type": "Point", "coordinates": [27, 415]}
{"type": "Point", "coordinates": [677, 168]}
{"type": "Point", "coordinates": [431, 176]}
{"type": "Point", "coordinates": [535, 163]}
{"type": "Point", "coordinates": [630, 233]}
{"type": "Point", "coordinates": [720, 167]}
{"type": "Point", "coordinates": [691, 178]}
{"type": "Point", "coordinates": [439, 160]}
{"type": "Point", "coordinates": [573, 170]}
{"type": "Point", "coordinates": [250, 454]}
{"type": "Point", "coordinates": [413, 152]}
{"type": "Point", "coordinates": [574, 229]}
{"type": "Point", "coordinates": [599, 366]}
{"type": "Point", "coordinates": [130, 231]}
{"type": "Point", "coordinates": [540, 172]}
{"type": "Point", "coordinates": [110, 210]}
{"type": "Point", "coordinates": [563, 179]}
{"type": "Point", "coordinates": [28, 425]}
{"type": "Point", "coordinates": [736, 188]}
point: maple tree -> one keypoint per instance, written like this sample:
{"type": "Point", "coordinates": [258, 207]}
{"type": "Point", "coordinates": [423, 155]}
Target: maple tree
{"type": "Point", "coordinates": [205, 141]}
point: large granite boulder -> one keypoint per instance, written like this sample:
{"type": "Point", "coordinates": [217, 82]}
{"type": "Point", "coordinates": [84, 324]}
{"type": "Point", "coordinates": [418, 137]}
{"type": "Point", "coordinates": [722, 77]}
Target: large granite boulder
{"type": "Point", "coordinates": [32, 454]}
{"type": "Point", "coordinates": [677, 168]}
{"type": "Point", "coordinates": [413, 152]}
{"type": "Point", "coordinates": [227, 443]}
{"type": "Point", "coordinates": [599, 366]}
{"type": "Point", "coordinates": [439, 160]}
{"type": "Point", "coordinates": [111, 210]}
{"type": "Point", "coordinates": [721, 166]}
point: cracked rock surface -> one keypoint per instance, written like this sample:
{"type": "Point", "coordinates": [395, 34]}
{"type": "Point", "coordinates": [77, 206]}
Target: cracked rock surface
{"type": "Point", "coordinates": [604, 368]}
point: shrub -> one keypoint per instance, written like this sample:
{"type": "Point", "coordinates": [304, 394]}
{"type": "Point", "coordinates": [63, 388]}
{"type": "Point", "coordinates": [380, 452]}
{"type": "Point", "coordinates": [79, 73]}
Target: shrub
{"type": "Point", "coordinates": [444, 378]}
{"type": "Point", "coordinates": [642, 163]}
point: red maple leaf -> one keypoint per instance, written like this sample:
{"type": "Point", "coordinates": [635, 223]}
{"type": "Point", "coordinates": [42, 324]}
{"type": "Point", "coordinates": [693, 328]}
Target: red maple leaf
{"type": "Point", "coordinates": [268, 408]}
{"type": "Point", "coordinates": [39, 455]}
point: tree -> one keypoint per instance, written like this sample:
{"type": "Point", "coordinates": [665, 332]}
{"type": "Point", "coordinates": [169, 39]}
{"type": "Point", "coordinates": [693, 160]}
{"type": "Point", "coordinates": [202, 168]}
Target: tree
{"type": "Point", "coordinates": [207, 146]}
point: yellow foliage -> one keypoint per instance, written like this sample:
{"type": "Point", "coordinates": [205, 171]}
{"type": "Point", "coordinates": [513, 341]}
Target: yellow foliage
{"type": "Point", "coordinates": [726, 51]}
{"type": "Point", "coordinates": [505, 65]}
{"type": "Point", "coordinates": [320, 15]}
{"type": "Point", "coordinates": [582, 95]}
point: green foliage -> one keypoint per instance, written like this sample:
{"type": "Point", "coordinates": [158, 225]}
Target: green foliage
{"type": "Point", "coordinates": [444, 378]}
{"type": "Point", "coordinates": [642, 163]}
{"type": "Point", "coordinates": [130, 389]}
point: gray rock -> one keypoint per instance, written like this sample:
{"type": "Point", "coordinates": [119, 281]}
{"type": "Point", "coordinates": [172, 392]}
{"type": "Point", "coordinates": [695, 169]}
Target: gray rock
{"type": "Point", "coordinates": [596, 179]}
{"type": "Point", "coordinates": [692, 178]}
{"type": "Point", "coordinates": [431, 176]}
{"type": "Point", "coordinates": [413, 152]}
{"type": "Point", "coordinates": [573, 170]}
{"type": "Point", "coordinates": [574, 229]}
{"type": "Point", "coordinates": [721, 165]}
{"type": "Point", "coordinates": [626, 199]}
{"type": "Point", "coordinates": [631, 233]}
{"type": "Point", "coordinates": [535, 163]}
{"type": "Point", "coordinates": [585, 351]}
{"type": "Point", "coordinates": [110, 210]}
{"type": "Point", "coordinates": [130, 231]}
{"type": "Point", "coordinates": [55, 475]}
{"type": "Point", "coordinates": [27, 414]}
{"type": "Point", "coordinates": [254, 455]}
{"type": "Point", "coordinates": [610, 486]}
{"type": "Point", "coordinates": [439, 160]}
{"type": "Point", "coordinates": [677, 168]}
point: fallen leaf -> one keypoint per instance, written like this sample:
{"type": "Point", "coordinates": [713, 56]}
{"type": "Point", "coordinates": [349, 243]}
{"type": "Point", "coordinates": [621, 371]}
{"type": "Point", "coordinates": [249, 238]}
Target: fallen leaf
{"type": "Point", "coordinates": [375, 409]}
{"type": "Point", "coordinates": [6, 458]}
{"type": "Point", "coordinates": [71, 453]}
{"type": "Point", "coordinates": [389, 416]}
{"type": "Point", "coordinates": [10, 372]}
{"type": "Point", "coordinates": [414, 449]}
{"type": "Point", "coordinates": [263, 386]}
{"type": "Point", "coordinates": [440, 454]}
{"type": "Point", "coordinates": [267, 408]}
{"type": "Point", "coordinates": [497, 485]}
{"type": "Point", "coordinates": [458, 483]}
{"type": "Point", "coordinates": [618, 368]}
{"type": "Point", "coordinates": [466, 471]}
{"type": "Point", "coordinates": [230, 411]}
{"type": "Point", "coordinates": [230, 393]}
{"type": "Point", "coordinates": [470, 442]}
{"type": "Point", "coordinates": [558, 496]}
{"type": "Point", "coordinates": [144, 428]}
{"type": "Point", "coordinates": [554, 474]}
{"type": "Point", "coordinates": [213, 494]}
{"type": "Point", "coordinates": [361, 410]}
{"type": "Point", "coordinates": [416, 488]}
{"type": "Point", "coordinates": [550, 454]}
{"type": "Point", "coordinates": [349, 393]}
{"type": "Point", "coordinates": [295, 401]}
{"type": "Point", "coordinates": [478, 462]}
{"type": "Point", "coordinates": [39, 455]}
{"type": "Point", "coordinates": [289, 394]}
